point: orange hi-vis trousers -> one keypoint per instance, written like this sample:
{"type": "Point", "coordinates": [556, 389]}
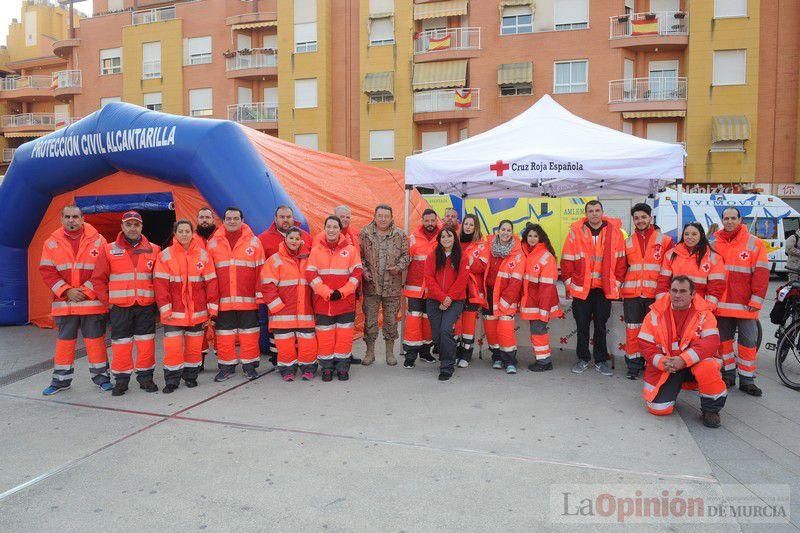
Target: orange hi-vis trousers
{"type": "Point", "coordinates": [183, 346]}
{"type": "Point", "coordinates": [745, 355]}
{"type": "Point", "coordinates": [133, 326]}
{"type": "Point", "coordinates": [465, 331]}
{"type": "Point", "coordinates": [335, 340]}
{"type": "Point", "coordinates": [704, 376]}
{"type": "Point", "coordinates": [540, 340]}
{"type": "Point", "coordinates": [93, 329]}
{"type": "Point", "coordinates": [241, 325]}
{"type": "Point", "coordinates": [296, 346]}
{"type": "Point", "coordinates": [634, 310]}
{"type": "Point", "coordinates": [417, 336]}
{"type": "Point", "coordinates": [500, 337]}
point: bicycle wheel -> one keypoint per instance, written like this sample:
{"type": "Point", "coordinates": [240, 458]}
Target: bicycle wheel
{"type": "Point", "coordinates": [787, 356]}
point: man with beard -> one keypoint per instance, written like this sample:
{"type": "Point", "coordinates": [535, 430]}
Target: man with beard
{"type": "Point", "coordinates": [451, 220]}
{"type": "Point", "coordinates": [205, 229]}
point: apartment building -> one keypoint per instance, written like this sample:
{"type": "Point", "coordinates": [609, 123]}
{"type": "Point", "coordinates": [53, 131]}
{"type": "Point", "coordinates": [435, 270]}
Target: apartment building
{"type": "Point", "coordinates": [378, 80]}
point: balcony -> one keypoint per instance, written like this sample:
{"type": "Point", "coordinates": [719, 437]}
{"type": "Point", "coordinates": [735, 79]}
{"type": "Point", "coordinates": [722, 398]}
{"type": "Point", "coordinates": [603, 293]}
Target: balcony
{"type": "Point", "coordinates": [646, 94]}
{"type": "Point", "coordinates": [261, 19]}
{"type": "Point", "coordinates": [452, 43]}
{"type": "Point", "coordinates": [67, 83]}
{"type": "Point", "coordinates": [447, 104]}
{"type": "Point", "coordinates": [667, 30]}
{"type": "Point", "coordinates": [63, 48]}
{"type": "Point", "coordinates": [258, 115]}
{"type": "Point", "coordinates": [26, 88]}
{"type": "Point", "coordinates": [31, 124]}
{"type": "Point", "coordinates": [8, 154]}
{"type": "Point", "coordinates": [149, 16]}
{"type": "Point", "coordinates": [253, 63]}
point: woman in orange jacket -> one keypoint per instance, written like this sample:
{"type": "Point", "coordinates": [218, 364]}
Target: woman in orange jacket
{"type": "Point", "coordinates": [187, 295]}
{"type": "Point", "coordinates": [539, 293]}
{"type": "Point", "coordinates": [288, 297]}
{"type": "Point", "coordinates": [333, 271]}
{"type": "Point", "coordinates": [693, 256]}
{"type": "Point", "coordinates": [503, 265]}
{"type": "Point", "coordinates": [472, 243]}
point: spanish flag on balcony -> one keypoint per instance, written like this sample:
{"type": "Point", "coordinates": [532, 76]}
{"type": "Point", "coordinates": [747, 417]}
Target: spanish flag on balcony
{"type": "Point", "coordinates": [463, 97]}
{"type": "Point", "coordinates": [644, 27]}
{"type": "Point", "coordinates": [440, 43]}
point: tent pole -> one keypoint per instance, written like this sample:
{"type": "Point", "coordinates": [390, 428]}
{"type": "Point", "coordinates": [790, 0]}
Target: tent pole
{"type": "Point", "coordinates": [463, 200]}
{"type": "Point", "coordinates": [406, 226]}
{"type": "Point", "coordinates": [679, 209]}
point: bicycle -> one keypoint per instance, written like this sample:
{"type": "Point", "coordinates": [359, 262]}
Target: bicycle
{"type": "Point", "coordinates": [786, 315]}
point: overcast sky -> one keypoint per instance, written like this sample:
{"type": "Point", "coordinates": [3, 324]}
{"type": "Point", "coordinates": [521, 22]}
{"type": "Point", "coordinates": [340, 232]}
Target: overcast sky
{"type": "Point", "coordinates": [10, 9]}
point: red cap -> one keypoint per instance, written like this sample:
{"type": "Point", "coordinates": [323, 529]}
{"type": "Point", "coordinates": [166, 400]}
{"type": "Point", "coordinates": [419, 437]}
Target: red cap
{"type": "Point", "coordinates": [131, 215]}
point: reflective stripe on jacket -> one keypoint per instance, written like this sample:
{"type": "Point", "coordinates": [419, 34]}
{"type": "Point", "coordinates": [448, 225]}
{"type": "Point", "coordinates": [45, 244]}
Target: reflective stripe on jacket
{"type": "Point", "coordinates": [748, 267]}
{"type": "Point", "coordinates": [125, 272]}
{"type": "Point", "coordinates": [419, 247]}
{"type": "Point", "coordinates": [475, 289]}
{"type": "Point", "coordinates": [507, 290]}
{"type": "Point", "coordinates": [238, 269]}
{"type": "Point", "coordinates": [641, 279]}
{"type": "Point", "coordinates": [330, 269]}
{"type": "Point", "coordinates": [286, 290]}
{"type": "Point", "coordinates": [539, 292]}
{"type": "Point", "coordinates": [578, 259]}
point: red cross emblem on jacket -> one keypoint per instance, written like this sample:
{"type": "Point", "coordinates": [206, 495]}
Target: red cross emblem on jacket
{"type": "Point", "coordinates": [199, 266]}
{"type": "Point", "coordinates": [744, 255]}
{"type": "Point", "coordinates": [706, 267]}
{"type": "Point", "coordinates": [94, 252]}
{"type": "Point", "coordinates": [344, 253]}
{"type": "Point", "coordinates": [536, 268]}
{"type": "Point", "coordinates": [249, 250]}
{"type": "Point", "coordinates": [150, 265]}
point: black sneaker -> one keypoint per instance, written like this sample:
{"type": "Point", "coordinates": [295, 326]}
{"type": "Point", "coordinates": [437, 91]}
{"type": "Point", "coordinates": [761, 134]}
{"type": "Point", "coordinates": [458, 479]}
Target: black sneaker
{"type": "Point", "coordinates": [120, 388]}
{"type": "Point", "coordinates": [327, 375]}
{"type": "Point", "coordinates": [444, 376]}
{"type": "Point", "coordinates": [409, 363]}
{"type": "Point", "coordinates": [343, 376]}
{"type": "Point", "coordinates": [169, 388]}
{"type": "Point", "coordinates": [191, 383]}
{"type": "Point", "coordinates": [223, 375]}
{"type": "Point", "coordinates": [250, 373]}
{"type": "Point", "coordinates": [540, 367]}
{"type": "Point", "coordinates": [149, 386]}
{"type": "Point", "coordinates": [428, 358]}
{"type": "Point", "coordinates": [355, 360]}
{"type": "Point", "coordinates": [633, 374]}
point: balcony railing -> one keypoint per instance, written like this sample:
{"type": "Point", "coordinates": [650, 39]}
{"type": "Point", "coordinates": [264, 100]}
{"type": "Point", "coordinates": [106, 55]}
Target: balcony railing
{"type": "Point", "coordinates": [465, 99]}
{"type": "Point", "coordinates": [256, 112]}
{"type": "Point", "coordinates": [646, 90]}
{"type": "Point", "coordinates": [149, 16]}
{"type": "Point", "coordinates": [44, 120]}
{"type": "Point", "coordinates": [65, 79]}
{"type": "Point", "coordinates": [449, 39]}
{"type": "Point", "coordinates": [8, 154]}
{"type": "Point", "coordinates": [26, 82]}
{"type": "Point", "coordinates": [256, 58]}
{"type": "Point", "coordinates": [151, 69]}
{"type": "Point", "coordinates": [635, 24]}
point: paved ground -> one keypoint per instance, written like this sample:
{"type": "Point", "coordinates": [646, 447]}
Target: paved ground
{"type": "Point", "coordinates": [390, 450]}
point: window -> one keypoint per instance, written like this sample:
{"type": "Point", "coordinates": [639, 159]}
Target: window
{"type": "Point", "coordinates": [151, 60]}
{"type": "Point", "coordinates": [201, 103]}
{"type": "Point", "coordinates": [105, 101]}
{"type": "Point", "coordinates": [627, 127]}
{"type": "Point", "coordinates": [152, 101]}
{"type": "Point", "coordinates": [381, 31]}
{"type": "Point", "coordinates": [381, 145]}
{"type": "Point", "coordinates": [115, 5]}
{"type": "Point", "coordinates": [380, 8]}
{"type": "Point", "coordinates": [384, 97]}
{"type": "Point", "coordinates": [571, 14]}
{"type": "Point", "coordinates": [197, 50]}
{"type": "Point", "coordinates": [463, 134]}
{"type": "Point", "coordinates": [305, 26]}
{"type": "Point", "coordinates": [764, 228]}
{"type": "Point", "coordinates": [516, 89]}
{"type": "Point", "coordinates": [307, 140]}
{"type": "Point", "coordinates": [433, 139]}
{"type": "Point", "coordinates": [727, 146]}
{"type": "Point", "coordinates": [571, 77]}
{"type": "Point", "coordinates": [730, 67]}
{"type": "Point", "coordinates": [305, 93]}
{"type": "Point", "coordinates": [730, 8]}
{"type": "Point", "coordinates": [666, 132]}
{"type": "Point", "coordinates": [516, 19]}
{"type": "Point", "coordinates": [110, 61]}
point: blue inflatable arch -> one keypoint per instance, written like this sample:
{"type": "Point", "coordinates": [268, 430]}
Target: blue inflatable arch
{"type": "Point", "coordinates": [213, 156]}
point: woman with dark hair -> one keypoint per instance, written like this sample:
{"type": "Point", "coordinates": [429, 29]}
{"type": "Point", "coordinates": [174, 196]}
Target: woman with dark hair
{"type": "Point", "coordinates": [446, 274]}
{"type": "Point", "coordinates": [333, 271]}
{"type": "Point", "coordinates": [472, 242]}
{"type": "Point", "coordinates": [693, 256]}
{"type": "Point", "coordinates": [539, 292]}
{"type": "Point", "coordinates": [187, 294]}
{"type": "Point", "coordinates": [288, 298]}
{"type": "Point", "coordinates": [504, 267]}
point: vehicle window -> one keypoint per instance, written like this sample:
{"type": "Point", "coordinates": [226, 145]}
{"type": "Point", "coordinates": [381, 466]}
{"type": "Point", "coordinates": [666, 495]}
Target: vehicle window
{"type": "Point", "coordinates": [790, 225]}
{"type": "Point", "coordinates": [766, 228]}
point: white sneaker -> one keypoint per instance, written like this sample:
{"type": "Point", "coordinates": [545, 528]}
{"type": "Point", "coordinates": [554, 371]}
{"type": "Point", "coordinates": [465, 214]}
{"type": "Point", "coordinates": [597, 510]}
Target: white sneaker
{"type": "Point", "coordinates": [462, 363]}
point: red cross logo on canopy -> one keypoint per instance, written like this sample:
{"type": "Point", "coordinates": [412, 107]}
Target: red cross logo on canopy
{"type": "Point", "coordinates": [499, 167]}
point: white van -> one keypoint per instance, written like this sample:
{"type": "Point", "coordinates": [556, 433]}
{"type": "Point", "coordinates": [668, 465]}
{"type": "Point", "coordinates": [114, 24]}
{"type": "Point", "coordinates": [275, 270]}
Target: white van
{"type": "Point", "coordinates": [767, 216]}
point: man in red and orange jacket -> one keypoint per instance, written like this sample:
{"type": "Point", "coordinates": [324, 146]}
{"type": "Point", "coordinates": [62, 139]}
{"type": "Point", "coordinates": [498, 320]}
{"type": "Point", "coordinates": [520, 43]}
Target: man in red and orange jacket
{"type": "Point", "coordinates": [644, 250]}
{"type": "Point", "coordinates": [679, 341]}
{"type": "Point", "coordinates": [68, 260]}
{"type": "Point", "coordinates": [593, 266]}
{"type": "Point", "coordinates": [748, 269]}
{"type": "Point", "coordinates": [238, 257]}
{"type": "Point", "coordinates": [205, 230]}
{"type": "Point", "coordinates": [124, 279]}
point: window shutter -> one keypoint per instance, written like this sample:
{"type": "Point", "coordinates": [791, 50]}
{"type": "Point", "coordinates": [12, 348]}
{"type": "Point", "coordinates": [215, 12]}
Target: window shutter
{"type": "Point", "coordinates": [730, 8]}
{"type": "Point", "coordinates": [381, 144]}
{"type": "Point", "coordinates": [571, 11]}
{"type": "Point", "coordinates": [152, 99]}
{"type": "Point", "coordinates": [305, 93]}
{"type": "Point", "coordinates": [663, 131]}
{"type": "Point", "coordinates": [433, 139]}
{"type": "Point", "coordinates": [305, 11]}
{"type": "Point", "coordinates": [514, 11]}
{"type": "Point", "coordinates": [200, 99]}
{"type": "Point", "coordinates": [307, 140]}
{"type": "Point", "coordinates": [381, 30]}
{"type": "Point", "coordinates": [381, 7]}
{"type": "Point", "coordinates": [729, 67]}
{"type": "Point", "coordinates": [306, 32]}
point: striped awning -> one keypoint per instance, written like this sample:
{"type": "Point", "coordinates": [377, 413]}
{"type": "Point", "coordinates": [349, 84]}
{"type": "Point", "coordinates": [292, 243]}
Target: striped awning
{"type": "Point", "coordinates": [15, 134]}
{"type": "Point", "coordinates": [249, 25]}
{"type": "Point", "coordinates": [730, 128]}
{"type": "Point", "coordinates": [515, 73]}
{"type": "Point", "coordinates": [379, 82]}
{"type": "Point", "coordinates": [448, 8]}
{"type": "Point", "coordinates": [653, 114]}
{"type": "Point", "coordinates": [509, 3]}
{"type": "Point", "coordinates": [439, 74]}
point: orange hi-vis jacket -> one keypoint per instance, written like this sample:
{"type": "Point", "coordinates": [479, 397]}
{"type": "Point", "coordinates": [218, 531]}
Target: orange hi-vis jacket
{"type": "Point", "coordinates": [334, 268]}
{"type": "Point", "coordinates": [475, 288]}
{"type": "Point", "coordinates": [708, 277]}
{"type": "Point", "coordinates": [186, 286]}
{"type": "Point", "coordinates": [641, 279]}
{"type": "Point", "coordinates": [62, 269]}
{"type": "Point", "coordinates": [124, 274]}
{"type": "Point", "coordinates": [658, 339]}
{"type": "Point", "coordinates": [507, 290]}
{"type": "Point", "coordinates": [419, 247]}
{"type": "Point", "coordinates": [286, 290]}
{"type": "Point", "coordinates": [748, 269]}
{"type": "Point", "coordinates": [238, 269]}
{"type": "Point", "coordinates": [586, 264]}
{"type": "Point", "coordinates": [539, 292]}
{"type": "Point", "coordinates": [349, 233]}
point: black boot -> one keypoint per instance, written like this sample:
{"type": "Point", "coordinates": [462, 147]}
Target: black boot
{"type": "Point", "coordinates": [191, 383]}
{"type": "Point", "coordinates": [729, 378]}
{"type": "Point", "coordinates": [711, 420]}
{"type": "Point", "coordinates": [169, 388]}
{"type": "Point", "coordinates": [149, 386]}
{"type": "Point", "coordinates": [750, 388]}
{"type": "Point", "coordinates": [120, 387]}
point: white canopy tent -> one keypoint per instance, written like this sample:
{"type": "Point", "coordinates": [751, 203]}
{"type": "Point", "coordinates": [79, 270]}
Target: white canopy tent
{"type": "Point", "coordinates": [548, 151]}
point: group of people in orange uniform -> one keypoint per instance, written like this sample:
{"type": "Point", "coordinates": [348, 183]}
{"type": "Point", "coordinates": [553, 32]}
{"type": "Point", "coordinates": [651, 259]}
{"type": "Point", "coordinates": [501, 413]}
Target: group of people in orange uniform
{"type": "Point", "coordinates": [684, 305]}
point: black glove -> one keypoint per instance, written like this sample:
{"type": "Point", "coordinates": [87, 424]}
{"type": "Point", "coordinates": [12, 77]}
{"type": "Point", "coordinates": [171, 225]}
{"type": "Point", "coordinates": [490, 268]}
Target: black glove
{"type": "Point", "coordinates": [336, 295]}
